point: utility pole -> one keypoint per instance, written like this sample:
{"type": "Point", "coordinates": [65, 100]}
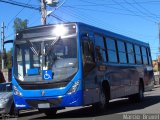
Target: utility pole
{"type": "Point", "coordinates": [159, 51]}
{"type": "Point", "coordinates": [2, 44]}
{"type": "Point", "coordinates": [159, 35]}
{"type": "Point", "coordinates": [43, 12]}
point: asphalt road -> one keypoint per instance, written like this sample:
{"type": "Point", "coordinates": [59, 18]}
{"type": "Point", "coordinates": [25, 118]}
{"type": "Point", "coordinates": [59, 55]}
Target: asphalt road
{"type": "Point", "coordinates": [121, 109]}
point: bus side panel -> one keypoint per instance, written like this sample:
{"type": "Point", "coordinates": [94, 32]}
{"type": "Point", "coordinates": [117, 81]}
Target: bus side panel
{"type": "Point", "coordinates": [91, 88]}
{"type": "Point", "coordinates": [123, 80]}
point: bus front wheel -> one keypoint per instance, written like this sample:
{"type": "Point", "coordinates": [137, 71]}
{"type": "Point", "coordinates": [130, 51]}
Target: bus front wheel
{"type": "Point", "coordinates": [139, 96]}
{"type": "Point", "coordinates": [49, 112]}
{"type": "Point", "coordinates": [104, 101]}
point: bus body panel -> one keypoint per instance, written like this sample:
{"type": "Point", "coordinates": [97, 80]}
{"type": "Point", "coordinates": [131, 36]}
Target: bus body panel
{"type": "Point", "coordinates": [123, 79]}
{"type": "Point", "coordinates": [33, 96]}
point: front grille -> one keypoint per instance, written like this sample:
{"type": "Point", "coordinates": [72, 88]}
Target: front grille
{"type": "Point", "coordinates": [52, 102]}
{"type": "Point", "coordinates": [36, 86]}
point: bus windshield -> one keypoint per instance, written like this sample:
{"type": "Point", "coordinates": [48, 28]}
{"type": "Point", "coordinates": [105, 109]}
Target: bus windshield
{"type": "Point", "coordinates": [56, 56]}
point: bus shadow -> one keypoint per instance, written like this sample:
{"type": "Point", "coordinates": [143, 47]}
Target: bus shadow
{"type": "Point", "coordinates": [29, 113]}
{"type": "Point", "coordinates": [113, 108]}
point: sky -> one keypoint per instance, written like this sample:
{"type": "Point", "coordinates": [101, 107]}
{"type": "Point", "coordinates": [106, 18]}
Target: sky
{"type": "Point", "coordinates": [137, 19]}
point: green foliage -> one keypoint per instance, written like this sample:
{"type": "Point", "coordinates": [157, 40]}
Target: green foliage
{"type": "Point", "coordinates": [7, 59]}
{"type": "Point", "coordinates": [20, 24]}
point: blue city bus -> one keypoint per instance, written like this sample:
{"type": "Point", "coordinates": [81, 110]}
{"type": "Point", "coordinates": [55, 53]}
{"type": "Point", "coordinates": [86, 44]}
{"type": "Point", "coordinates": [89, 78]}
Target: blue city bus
{"type": "Point", "coordinates": [75, 64]}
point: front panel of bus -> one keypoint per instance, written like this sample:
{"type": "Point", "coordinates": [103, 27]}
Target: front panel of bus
{"type": "Point", "coordinates": [47, 69]}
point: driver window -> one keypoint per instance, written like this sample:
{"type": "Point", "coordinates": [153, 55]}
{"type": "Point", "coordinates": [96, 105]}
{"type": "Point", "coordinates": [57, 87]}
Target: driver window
{"type": "Point", "coordinates": [19, 61]}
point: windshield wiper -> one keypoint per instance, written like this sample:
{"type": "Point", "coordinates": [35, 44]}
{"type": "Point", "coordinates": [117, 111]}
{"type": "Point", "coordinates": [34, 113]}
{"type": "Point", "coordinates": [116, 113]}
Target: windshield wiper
{"type": "Point", "coordinates": [33, 48]}
{"type": "Point", "coordinates": [53, 42]}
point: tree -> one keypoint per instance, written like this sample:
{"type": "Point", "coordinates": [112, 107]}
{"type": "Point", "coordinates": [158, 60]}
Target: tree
{"type": "Point", "coordinates": [20, 24]}
{"type": "Point", "coordinates": [8, 58]}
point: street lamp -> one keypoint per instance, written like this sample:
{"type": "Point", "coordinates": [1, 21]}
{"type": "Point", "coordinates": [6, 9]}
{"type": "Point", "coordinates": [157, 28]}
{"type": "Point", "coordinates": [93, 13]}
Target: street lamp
{"type": "Point", "coordinates": [52, 2]}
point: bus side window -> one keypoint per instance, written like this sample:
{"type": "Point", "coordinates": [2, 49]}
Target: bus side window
{"type": "Point", "coordinates": [98, 54]}
{"type": "Point", "coordinates": [138, 54]}
{"type": "Point", "coordinates": [144, 56]}
{"type": "Point", "coordinates": [130, 53]}
{"type": "Point", "coordinates": [100, 48]}
{"type": "Point", "coordinates": [111, 49]}
{"type": "Point", "coordinates": [122, 52]}
{"type": "Point", "coordinates": [149, 56]}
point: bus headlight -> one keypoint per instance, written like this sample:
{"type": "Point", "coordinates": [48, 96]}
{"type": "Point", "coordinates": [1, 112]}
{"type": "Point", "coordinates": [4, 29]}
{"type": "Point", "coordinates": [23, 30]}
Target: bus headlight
{"type": "Point", "coordinates": [16, 91]}
{"type": "Point", "coordinates": [74, 87]}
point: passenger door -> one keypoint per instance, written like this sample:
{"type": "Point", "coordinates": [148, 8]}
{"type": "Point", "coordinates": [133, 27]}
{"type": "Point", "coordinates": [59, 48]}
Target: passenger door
{"type": "Point", "coordinates": [89, 71]}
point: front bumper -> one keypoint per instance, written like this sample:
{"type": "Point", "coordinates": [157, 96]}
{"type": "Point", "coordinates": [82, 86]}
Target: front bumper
{"type": "Point", "coordinates": [71, 100]}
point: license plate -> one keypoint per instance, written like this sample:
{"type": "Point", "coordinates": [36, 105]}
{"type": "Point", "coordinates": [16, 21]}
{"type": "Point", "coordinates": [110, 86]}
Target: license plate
{"type": "Point", "coordinates": [44, 105]}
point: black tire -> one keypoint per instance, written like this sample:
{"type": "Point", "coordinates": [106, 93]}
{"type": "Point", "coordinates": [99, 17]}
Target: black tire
{"type": "Point", "coordinates": [139, 96]}
{"type": "Point", "coordinates": [13, 111]}
{"type": "Point", "coordinates": [104, 101]}
{"type": "Point", "coordinates": [49, 112]}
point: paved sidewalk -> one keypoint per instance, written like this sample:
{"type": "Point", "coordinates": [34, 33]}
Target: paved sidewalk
{"type": "Point", "coordinates": [156, 86]}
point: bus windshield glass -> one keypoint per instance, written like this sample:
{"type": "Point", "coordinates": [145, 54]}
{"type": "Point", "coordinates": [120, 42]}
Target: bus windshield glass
{"type": "Point", "coordinates": [51, 60]}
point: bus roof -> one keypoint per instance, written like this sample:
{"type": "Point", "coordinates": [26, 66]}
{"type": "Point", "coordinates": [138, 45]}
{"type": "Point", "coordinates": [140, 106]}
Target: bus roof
{"type": "Point", "coordinates": [114, 35]}
{"type": "Point", "coordinates": [97, 30]}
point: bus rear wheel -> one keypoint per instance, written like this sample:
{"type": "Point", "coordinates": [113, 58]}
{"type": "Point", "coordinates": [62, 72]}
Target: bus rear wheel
{"type": "Point", "coordinates": [140, 96]}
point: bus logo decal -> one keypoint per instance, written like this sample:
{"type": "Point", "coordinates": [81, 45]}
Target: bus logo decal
{"type": "Point", "coordinates": [47, 75]}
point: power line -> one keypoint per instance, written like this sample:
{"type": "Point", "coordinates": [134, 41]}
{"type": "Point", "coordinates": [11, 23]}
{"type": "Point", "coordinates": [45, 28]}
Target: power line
{"type": "Point", "coordinates": [17, 14]}
{"type": "Point", "coordinates": [57, 7]}
{"type": "Point", "coordinates": [25, 5]}
{"type": "Point", "coordinates": [132, 11]}
{"type": "Point", "coordinates": [34, 21]}
{"type": "Point", "coordinates": [145, 9]}
{"type": "Point", "coordinates": [82, 18]}
{"type": "Point", "coordinates": [107, 12]}
{"type": "Point", "coordinates": [111, 4]}
{"type": "Point", "coordinates": [90, 19]}
{"type": "Point", "coordinates": [9, 35]}
{"type": "Point", "coordinates": [58, 18]}
{"type": "Point", "coordinates": [20, 4]}
{"type": "Point", "coordinates": [80, 6]}
{"type": "Point", "coordinates": [140, 11]}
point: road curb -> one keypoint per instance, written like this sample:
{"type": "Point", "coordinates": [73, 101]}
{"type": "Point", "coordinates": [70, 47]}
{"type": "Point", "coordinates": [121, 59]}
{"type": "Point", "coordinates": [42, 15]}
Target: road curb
{"type": "Point", "coordinates": [156, 86]}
